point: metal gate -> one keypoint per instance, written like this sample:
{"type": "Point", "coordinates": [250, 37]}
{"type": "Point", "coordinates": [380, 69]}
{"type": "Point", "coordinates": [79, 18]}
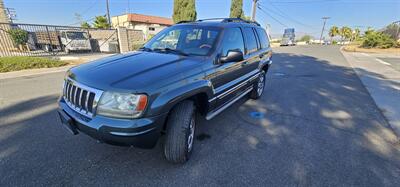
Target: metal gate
{"type": "Point", "coordinates": [51, 40]}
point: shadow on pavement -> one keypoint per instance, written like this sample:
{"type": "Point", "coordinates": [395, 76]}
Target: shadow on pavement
{"type": "Point", "coordinates": [317, 126]}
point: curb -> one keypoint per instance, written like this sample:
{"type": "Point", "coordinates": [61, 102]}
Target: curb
{"type": "Point", "coordinates": [31, 72]}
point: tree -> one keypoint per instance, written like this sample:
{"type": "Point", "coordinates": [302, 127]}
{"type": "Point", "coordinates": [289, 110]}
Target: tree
{"type": "Point", "coordinates": [305, 38]}
{"type": "Point", "coordinates": [334, 31]}
{"type": "Point", "coordinates": [19, 36]}
{"type": "Point", "coordinates": [378, 39]}
{"type": "Point", "coordinates": [184, 10]}
{"type": "Point", "coordinates": [236, 9]}
{"type": "Point", "coordinates": [345, 32]}
{"type": "Point", "coordinates": [356, 34]}
{"type": "Point", "coordinates": [101, 22]}
{"type": "Point", "coordinates": [85, 25]}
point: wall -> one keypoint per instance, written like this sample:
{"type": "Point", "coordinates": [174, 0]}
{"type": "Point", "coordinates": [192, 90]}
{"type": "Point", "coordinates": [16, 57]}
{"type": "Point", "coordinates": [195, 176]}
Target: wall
{"type": "Point", "coordinates": [127, 38]}
{"type": "Point", "coordinates": [145, 28]}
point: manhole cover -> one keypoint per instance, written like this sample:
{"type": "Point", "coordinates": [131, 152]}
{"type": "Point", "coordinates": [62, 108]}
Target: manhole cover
{"type": "Point", "coordinates": [256, 115]}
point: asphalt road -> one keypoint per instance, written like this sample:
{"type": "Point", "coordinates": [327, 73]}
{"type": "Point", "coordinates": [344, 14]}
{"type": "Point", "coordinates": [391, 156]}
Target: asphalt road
{"type": "Point", "coordinates": [316, 125]}
{"type": "Point", "coordinates": [394, 62]}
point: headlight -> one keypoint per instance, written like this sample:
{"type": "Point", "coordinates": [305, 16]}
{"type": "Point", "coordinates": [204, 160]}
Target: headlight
{"type": "Point", "coordinates": [121, 105]}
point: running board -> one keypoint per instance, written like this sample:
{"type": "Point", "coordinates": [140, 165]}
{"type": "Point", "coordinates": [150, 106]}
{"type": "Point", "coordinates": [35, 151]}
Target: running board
{"type": "Point", "coordinates": [214, 113]}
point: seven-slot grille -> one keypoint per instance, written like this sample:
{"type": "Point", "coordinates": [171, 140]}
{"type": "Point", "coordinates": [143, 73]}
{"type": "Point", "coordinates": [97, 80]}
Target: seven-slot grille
{"type": "Point", "coordinates": [79, 98]}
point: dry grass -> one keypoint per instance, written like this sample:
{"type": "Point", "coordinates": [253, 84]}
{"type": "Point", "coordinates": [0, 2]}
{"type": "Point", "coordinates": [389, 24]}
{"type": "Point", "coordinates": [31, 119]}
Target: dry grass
{"type": "Point", "coordinates": [356, 48]}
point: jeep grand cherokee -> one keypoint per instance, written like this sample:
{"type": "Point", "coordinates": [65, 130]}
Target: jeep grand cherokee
{"type": "Point", "coordinates": [193, 67]}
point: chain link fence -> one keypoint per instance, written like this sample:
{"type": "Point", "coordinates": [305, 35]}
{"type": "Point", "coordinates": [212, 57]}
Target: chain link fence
{"type": "Point", "coordinates": [50, 40]}
{"type": "Point", "coordinates": [393, 30]}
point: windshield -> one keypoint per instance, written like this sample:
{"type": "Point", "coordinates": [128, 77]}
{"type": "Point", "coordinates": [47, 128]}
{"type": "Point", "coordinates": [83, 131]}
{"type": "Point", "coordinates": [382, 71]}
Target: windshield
{"type": "Point", "coordinates": [77, 35]}
{"type": "Point", "coordinates": [190, 40]}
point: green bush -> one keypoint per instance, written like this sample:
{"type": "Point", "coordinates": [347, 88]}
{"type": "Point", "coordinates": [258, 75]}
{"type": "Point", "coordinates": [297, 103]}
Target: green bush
{"type": "Point", "coordinates": [19, 36]}
{"type": "Point", "coordinates": [19, 63]}
{"type": "Point", "coordinates": [378, 39]}
{"type": "Point", "coordinates": [305, 38]}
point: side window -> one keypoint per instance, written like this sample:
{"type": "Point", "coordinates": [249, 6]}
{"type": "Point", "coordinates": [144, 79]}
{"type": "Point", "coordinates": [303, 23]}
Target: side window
{"type": "Point", "coordinates": [263, 38]}
{"type": "Point", "coordinates": [251, 40]}
{"type": "Point", "coordinates": [233, 40]}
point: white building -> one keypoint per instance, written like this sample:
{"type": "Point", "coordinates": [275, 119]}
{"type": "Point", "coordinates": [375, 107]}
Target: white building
{"type": "Point", "coordinates": [149, 25]}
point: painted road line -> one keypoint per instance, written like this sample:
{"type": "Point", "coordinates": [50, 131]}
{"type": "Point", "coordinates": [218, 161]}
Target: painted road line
{"type": "Point", "coordinates": [383, 62]}
{"type": "Point", "coordinates": [365, 54]}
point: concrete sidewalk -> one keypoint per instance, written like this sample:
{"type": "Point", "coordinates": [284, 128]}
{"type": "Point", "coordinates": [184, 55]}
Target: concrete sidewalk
{"type": "Point", "coordinates": [382, 81]}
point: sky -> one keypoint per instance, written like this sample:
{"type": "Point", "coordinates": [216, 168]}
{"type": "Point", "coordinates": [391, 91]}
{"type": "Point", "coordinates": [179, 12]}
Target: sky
{"type": "Point", "coordinates": [303, 15]}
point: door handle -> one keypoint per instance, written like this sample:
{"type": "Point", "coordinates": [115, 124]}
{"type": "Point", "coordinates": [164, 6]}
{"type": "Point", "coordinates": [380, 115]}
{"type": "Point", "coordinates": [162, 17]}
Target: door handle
{"type": "Point", "coordinates": [261, 55]}
{"type": "Point", "coordinates": [245, 63]}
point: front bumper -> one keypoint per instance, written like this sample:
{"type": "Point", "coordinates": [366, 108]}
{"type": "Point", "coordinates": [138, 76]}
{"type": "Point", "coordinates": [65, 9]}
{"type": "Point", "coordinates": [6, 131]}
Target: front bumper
{"type": "Point", "coordinates": [142, 132]}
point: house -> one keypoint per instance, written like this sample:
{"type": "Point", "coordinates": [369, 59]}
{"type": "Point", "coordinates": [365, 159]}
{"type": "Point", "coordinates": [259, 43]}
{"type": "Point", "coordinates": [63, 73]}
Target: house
{"type": "Point", "coordinates": [149, 25]}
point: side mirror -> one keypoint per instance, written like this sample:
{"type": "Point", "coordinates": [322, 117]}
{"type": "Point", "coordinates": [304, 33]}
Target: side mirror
{"type": "Point", "coordinates": [232, 56]}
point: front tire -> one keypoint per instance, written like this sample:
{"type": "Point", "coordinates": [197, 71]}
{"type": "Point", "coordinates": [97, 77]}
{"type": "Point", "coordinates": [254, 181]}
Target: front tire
{"type": "Point", "coordinates": [258, 87]}
{"type": "Point", "coordinates": [181, 126]}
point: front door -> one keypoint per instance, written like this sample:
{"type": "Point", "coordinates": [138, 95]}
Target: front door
{"type": "Point", "coordinates": [229, 74]}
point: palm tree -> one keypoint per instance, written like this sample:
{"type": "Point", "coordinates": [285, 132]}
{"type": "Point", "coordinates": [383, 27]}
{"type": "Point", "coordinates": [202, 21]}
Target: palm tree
{"type": "Point", "coordinates": [356, 34]}
{"type": "Point", "coordinates": [334, 31]}
{"type": "Point", "coordinates": [345, 33]}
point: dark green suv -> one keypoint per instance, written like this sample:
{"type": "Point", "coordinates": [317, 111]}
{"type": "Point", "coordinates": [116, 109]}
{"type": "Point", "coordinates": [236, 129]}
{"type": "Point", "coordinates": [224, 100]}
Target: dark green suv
{"type": "Point", "coordinates": [193, 67]}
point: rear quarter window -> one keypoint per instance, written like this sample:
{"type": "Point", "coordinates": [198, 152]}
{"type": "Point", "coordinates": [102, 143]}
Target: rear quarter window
{"type": "Point", "coordinates": [262, 35]}
{"type": "Point", "coordinates": [251, 40]}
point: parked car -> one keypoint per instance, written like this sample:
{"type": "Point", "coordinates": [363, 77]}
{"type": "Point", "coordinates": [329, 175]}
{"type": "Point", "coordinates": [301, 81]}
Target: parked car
{"type": "Point", "coordinates": [75, 41]}
{"type": "Point", "coordinates": [199, 67]}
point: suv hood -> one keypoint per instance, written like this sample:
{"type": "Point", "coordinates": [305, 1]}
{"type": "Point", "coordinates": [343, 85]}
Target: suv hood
{"type": "Point", "coordinates": [133, 71]}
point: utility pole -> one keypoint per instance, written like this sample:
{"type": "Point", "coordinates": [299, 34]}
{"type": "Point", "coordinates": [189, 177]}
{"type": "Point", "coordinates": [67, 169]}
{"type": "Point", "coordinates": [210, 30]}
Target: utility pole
{"type": "Point", "coordinates": [108, 13]}
{"type": "Point", "coordinates": [323, 28]}
{"type": "Point", "coordinates": [253, 10]}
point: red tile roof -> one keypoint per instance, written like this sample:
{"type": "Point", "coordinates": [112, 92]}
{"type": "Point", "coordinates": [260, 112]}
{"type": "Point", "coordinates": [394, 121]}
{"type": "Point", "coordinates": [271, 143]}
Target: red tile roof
{"type": "Point", "coordinates": [149, 19]}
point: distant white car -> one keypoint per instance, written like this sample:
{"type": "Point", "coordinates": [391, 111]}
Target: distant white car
{"type": "Point", "coordinates": [75, 41]}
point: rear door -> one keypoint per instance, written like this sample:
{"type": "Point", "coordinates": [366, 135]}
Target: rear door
{"type": "Point", "coordinates": [250, 68]}
{"type": "Point", "coordinates": [265, 48]}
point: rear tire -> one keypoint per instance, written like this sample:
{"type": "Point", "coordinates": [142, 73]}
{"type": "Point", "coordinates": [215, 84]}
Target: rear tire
{"type": "Point", "coordinates": [258, 87]}
{"type": "Point", "coordinates": [180, 132]}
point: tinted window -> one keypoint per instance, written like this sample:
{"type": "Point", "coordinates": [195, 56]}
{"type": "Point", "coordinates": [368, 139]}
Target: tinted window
{"type": "Point", "coordinates": [263, 38]}
{"type": "Point", "coordinates": [233, 40]}
{"type": "Point", "coordinates": [251, 40]}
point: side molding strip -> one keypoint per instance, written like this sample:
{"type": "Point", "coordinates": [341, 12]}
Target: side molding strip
{"type": "Point", "coordinates": [213, 114]}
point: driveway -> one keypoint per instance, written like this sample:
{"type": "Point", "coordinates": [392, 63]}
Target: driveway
{"type": "Point", "coordinates": [316, 125]}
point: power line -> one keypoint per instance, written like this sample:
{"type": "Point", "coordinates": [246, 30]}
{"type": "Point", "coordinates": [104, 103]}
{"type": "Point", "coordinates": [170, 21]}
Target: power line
{"type": "Point", "coordinates": [297, 2]}
{"type": "Point", "coordinates": [285, 16]}
{"type": "Point", "coordinates": [262, 10]}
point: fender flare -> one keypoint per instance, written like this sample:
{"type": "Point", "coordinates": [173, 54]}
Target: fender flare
{"type": "Point", "coordinates": [164, 102]}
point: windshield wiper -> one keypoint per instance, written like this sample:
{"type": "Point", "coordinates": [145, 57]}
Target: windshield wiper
{"type": "Point", "coordinates": [171, 50]}
{"type": "Point", "coordinates": [145, 49]}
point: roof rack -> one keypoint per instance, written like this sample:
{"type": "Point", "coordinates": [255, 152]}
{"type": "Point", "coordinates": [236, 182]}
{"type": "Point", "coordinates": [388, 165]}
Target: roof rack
{"type": "Point", "coordinates": [184, 22]}
{"type": "Point", "coordinates": [227, 20]}
{"type": "Point", "coordinates": [224, 20]}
